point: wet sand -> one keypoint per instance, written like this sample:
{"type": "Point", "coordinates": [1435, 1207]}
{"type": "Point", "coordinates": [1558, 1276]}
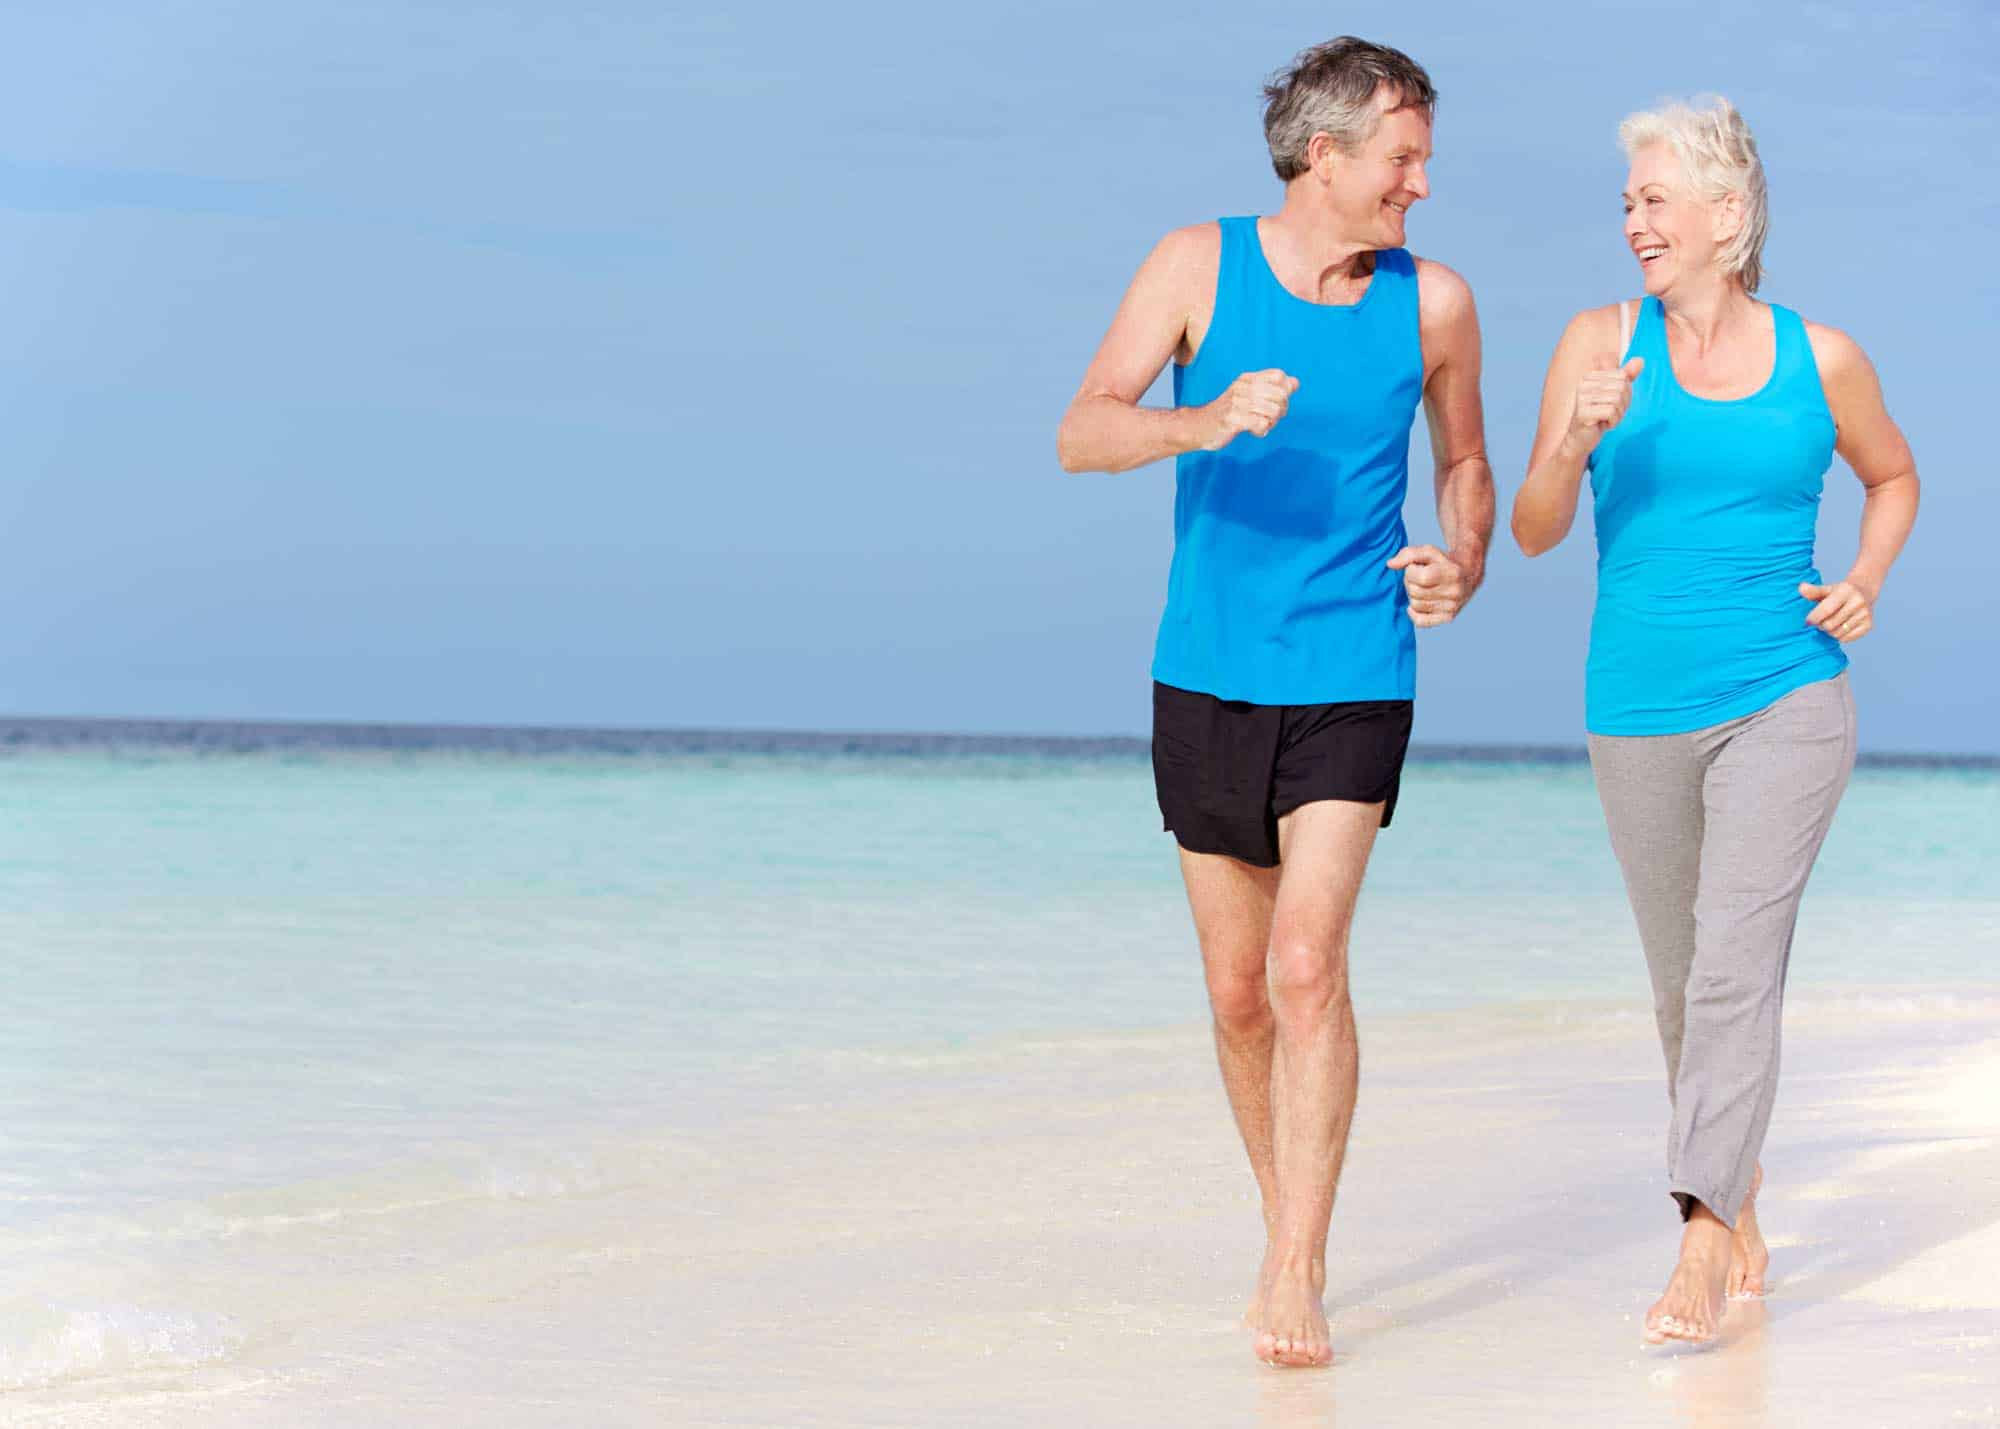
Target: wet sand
{"type": "Point", "coordinates": [1064, 1233]}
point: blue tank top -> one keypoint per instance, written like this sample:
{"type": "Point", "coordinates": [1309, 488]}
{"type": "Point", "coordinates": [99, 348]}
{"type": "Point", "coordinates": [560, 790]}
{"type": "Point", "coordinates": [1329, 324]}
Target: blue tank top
{"type": "Point", "coordinates": [1705, 515]}
{"type": "Point", "coordinates": [1279, 594]}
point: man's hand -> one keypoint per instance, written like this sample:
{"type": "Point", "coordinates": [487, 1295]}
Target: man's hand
{"type": "Point", "coordinates": [1254, 403]}
{"type": "Point", "coordinates": [1845, 610]}
{"type": "Point", "coordinates": [1435, 583]}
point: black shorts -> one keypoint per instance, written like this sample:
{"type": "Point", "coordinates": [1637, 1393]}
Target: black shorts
{"type": "Point", "coordinates": [1227, 771]}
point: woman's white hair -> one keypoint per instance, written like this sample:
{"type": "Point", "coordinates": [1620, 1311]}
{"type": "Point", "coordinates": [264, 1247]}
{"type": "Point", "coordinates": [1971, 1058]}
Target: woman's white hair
{"type": "Point", "coordinates": [1719, 157]}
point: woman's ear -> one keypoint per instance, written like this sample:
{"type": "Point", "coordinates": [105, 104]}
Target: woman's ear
{"type": "Point", "coordinates": [1728, 220]}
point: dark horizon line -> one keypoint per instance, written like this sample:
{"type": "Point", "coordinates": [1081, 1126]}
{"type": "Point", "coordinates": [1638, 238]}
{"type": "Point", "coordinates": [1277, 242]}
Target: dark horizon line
{"type": "Point", "coordinates": [249, 736]}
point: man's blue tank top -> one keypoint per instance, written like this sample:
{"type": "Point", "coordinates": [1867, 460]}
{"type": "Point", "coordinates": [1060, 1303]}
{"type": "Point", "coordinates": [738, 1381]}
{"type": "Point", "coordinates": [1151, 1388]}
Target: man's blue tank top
{"type": "Point", "coordinates": [1705, 516]}
{"type": "Point", "coordinates": [1279, 594]}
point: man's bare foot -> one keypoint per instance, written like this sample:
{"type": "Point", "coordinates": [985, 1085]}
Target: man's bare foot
{"type": "Point", "coordinates": [1294, 1331]}
{"type": "Point", "coordinates": [1254, 1316]}
{"type": "Point", "coordinates": [1692, 1306]}
{"type": "Point", "coordinates": [1748, 1258]}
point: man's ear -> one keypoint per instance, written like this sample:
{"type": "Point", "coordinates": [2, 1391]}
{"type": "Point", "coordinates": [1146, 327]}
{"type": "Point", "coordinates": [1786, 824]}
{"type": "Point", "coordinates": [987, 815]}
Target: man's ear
{"type": "Point", "coordinates": [1321, 153]}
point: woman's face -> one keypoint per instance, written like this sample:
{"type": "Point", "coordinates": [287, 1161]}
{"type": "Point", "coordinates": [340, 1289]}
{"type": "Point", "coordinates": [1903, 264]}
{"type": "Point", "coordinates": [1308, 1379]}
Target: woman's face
{"type": "Point", "coordinates": [1672, 232]}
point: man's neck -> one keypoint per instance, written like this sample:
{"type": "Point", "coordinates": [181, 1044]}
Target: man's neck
{"type": "Point", "coordinates": [1312, 240]}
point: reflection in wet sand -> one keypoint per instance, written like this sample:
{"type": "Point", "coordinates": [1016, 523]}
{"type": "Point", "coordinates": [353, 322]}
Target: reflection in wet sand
{"type": "Point", "coordinates": [1725, 1384]}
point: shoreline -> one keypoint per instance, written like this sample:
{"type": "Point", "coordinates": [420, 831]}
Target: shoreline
{"type": "Point", "coordinates": [1062, 1230]}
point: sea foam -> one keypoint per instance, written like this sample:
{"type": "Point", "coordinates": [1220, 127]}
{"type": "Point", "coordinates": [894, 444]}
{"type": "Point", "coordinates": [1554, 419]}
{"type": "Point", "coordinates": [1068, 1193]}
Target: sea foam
{"type": "Point", "coordinates": [44, 1344]}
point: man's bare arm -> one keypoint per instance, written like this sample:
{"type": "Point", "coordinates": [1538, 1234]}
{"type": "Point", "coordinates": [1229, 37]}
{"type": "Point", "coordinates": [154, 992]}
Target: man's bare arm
{"type": "Point", "coordinates": [1439, 583]}
{"type": "Point", "coordinates": [1457, 420]}
{"type": "Point", "coordinates": [1163, 315]}
{"type": "Point", "coordinates": [1105, 428]}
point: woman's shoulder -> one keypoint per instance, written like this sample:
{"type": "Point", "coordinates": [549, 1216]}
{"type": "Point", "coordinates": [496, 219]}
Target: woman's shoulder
{"type": "Point", "coordinates": [1836, 354]}
{"type": "Point", "coordinates": [1846, 375]}
{"type": "Point", "coordinates": [1592, 333]}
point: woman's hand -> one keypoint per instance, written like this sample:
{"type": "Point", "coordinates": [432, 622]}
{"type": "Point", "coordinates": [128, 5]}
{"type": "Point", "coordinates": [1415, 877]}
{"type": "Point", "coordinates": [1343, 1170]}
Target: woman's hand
{"type": "Point", "coordinates": [1845, 610]}
{"type": "Point", "coordinates": [1601, 399]}
{"type": "Point", "coordinates": [1585, 394]}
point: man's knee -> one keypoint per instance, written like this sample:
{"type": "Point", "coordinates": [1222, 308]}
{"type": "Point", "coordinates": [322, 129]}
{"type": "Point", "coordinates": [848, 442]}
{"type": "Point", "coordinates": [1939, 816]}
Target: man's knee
{"type": "Point", "coordinates": [1308, 977]}
{"type": "Point", "coordinates": [1241, 1002]}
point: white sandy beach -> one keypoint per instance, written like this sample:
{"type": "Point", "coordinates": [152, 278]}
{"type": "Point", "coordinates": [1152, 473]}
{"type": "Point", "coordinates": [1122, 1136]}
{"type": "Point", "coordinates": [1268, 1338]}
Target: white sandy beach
{"type": "Point", "coordinates": [1062, 1233]}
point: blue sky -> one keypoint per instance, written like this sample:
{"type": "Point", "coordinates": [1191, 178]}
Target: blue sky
{"type": "Point", "coordinates": [606, 364]}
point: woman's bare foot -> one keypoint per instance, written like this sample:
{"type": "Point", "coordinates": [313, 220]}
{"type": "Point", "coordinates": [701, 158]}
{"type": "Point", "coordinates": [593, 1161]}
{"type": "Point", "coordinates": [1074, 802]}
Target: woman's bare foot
{"type": "Point", "coordinates": [1294, 1331]}
{"type": "Point", "coordinates": [1748, 1257]}
{"type": "Point", "coordinates": [1692, 1306]}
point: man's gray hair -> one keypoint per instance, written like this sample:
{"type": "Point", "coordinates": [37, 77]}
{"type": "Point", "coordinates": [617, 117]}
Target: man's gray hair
{"type": "Point", "coordinates": [1719, 157]}
{"type": "Point", "coordinates": [1330, 89]}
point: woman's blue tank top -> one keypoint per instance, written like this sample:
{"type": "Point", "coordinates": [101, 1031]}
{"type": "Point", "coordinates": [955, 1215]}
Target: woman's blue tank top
{"type": "Point", "coordinates": [1279, 593]}
{"type": "Point", "coordinates": [1705, 517]}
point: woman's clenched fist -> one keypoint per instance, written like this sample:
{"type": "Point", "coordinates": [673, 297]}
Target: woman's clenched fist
{"type": "Point", "coordinates": [1601, 399]}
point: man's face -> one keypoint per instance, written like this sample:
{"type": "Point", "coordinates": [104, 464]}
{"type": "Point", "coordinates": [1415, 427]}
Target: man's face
{"type": "Point", "coordinates": [1373, 188]}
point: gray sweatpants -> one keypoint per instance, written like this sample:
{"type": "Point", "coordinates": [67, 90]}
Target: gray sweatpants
{"type": "Point", "coordinates": [1716, 831]}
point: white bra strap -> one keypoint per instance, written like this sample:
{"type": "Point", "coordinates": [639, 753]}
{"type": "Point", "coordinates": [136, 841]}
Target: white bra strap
{"type": "Point", "coordinates": [1624, 330]}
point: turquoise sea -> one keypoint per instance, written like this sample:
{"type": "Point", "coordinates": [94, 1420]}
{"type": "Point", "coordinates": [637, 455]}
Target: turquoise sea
{"type": "Point", "coordinates": [294, 973]}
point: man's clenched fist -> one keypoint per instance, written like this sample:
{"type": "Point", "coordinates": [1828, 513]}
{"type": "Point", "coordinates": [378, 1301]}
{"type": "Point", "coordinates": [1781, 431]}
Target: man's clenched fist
{"type": "Point", "coordinates": [1254, 403]}
{"type": "Point", "coordinates": [1434, 582]}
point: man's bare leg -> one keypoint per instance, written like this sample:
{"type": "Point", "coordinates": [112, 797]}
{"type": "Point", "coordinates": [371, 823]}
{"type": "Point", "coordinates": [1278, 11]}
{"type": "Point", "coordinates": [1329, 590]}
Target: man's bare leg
{"type": "Point", "coordinates": [1232, 903]}
{"type": "Point", "coordinates": [1323, 851]}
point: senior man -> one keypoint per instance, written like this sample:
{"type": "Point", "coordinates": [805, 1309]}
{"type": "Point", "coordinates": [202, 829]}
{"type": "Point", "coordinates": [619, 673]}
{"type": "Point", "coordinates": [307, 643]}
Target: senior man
{"type": "Point", "coordinates": [1285, 668]}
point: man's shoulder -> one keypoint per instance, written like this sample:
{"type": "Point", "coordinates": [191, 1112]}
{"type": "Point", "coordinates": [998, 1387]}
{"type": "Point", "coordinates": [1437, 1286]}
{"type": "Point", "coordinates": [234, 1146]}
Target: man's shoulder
{"type": "Point", "coordinates": [1182, 267]}
{"type": "Point", "coordinates": [1444, 298]}
{"type": "Point", "coordinates": [1196, 245]}
{"type": "Point", "coordinates": [1442, 290]}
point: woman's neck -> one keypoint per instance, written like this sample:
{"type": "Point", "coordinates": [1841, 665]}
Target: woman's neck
{"type": "Point", "coordinates": [1709, 312]}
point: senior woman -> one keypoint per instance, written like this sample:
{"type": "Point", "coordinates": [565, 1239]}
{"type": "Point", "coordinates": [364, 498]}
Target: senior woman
{"type": "Point", "coordinates": [1720, 722]}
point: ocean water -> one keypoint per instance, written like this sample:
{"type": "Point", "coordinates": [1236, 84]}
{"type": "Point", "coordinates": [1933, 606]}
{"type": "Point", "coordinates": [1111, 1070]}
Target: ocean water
{"type": "Point", "coordinates": [263, 980]}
